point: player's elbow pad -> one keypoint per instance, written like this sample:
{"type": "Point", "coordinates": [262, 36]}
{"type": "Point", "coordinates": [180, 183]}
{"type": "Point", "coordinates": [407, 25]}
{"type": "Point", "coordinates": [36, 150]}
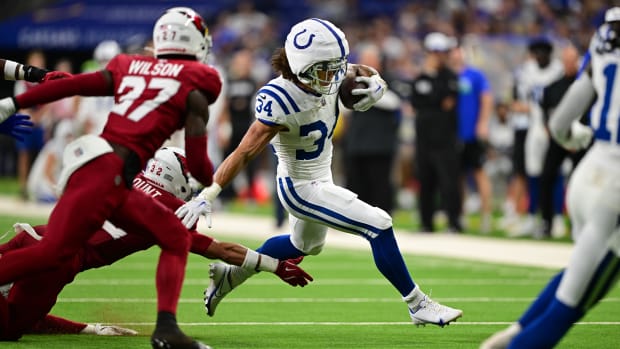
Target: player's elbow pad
{"type": "Point", "coordinates": [572, 106]}
{"type": "Point", "coordinates": [198, 161]}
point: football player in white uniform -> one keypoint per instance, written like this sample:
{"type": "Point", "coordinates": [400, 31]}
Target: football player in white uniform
{"type": "Point", "coordinates": [592, 197]}
{"type": "Point", "coordinates": [527, 119]}
{"type": "Point", "coordinates": [297, 113]}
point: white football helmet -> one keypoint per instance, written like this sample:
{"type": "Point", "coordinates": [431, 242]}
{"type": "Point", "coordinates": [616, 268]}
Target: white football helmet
{"type": "Point", "coordinates": [317, 52]}
{"type": "Point", "coordinates": [181, 31]}
{"type": "Point", "coordinates": [168, 171]}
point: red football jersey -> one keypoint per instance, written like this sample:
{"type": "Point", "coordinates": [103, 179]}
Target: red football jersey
{"type": "Point", "coordinates": [150, 97]}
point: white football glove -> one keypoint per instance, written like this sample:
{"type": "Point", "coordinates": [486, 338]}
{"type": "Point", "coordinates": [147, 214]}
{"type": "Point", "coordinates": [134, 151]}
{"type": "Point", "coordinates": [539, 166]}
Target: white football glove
{"type": "Point", "coordinates": [199, 206]}
{"type": "Point", "coordinates": [578, 137]}
{"type": "Point", "coordinates": [375, 90]}
{"type": "Point", "coordinates": [107, 330]}
{"type": "Point", "coordinates": [7, 108]}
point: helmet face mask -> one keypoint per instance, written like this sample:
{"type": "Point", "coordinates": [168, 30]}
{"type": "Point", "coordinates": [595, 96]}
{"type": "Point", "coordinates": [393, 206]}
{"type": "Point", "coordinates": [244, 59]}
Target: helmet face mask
{"type": "Point", "coordinates": [181, 31]}
{"type": "Point", "coordinates": [317, 53]}
{"type": "Point", "coordinates": [168, 171]}
{"type": "Point", "coordinates": [325, 77]}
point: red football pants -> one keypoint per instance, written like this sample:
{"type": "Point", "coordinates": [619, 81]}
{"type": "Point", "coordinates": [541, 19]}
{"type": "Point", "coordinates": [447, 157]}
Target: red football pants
{"type": "Point", "coordinates": [94, 193]}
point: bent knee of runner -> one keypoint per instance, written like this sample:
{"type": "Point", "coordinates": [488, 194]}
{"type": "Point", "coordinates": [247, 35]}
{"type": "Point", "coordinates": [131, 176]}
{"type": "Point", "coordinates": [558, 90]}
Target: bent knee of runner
{"type": "Point", "coordinates": [382, 219]}
{"type": "Point", "coordinates": [309, 248]}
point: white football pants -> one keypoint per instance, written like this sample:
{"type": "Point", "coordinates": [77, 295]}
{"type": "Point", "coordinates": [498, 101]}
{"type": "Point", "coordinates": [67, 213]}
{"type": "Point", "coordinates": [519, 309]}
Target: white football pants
{"type": "Point", "coordinates": [594, 207]}
{"type": "Point", "coordinates": [314, 205]}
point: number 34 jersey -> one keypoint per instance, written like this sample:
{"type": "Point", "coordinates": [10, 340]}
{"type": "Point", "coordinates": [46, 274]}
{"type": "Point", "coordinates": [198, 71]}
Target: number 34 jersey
{"type": "Point", "coordinates": [304, 149]}
{"type": "Point", "coordinates": [150, 99]}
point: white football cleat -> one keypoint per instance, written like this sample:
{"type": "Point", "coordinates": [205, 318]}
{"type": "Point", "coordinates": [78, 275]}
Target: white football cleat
{"type": "Point", "coordinates": [219, 286]}
{"type": "Point", "coordinates": [430, 312]}
{"type": "Point", "coordinates": [501, 339]}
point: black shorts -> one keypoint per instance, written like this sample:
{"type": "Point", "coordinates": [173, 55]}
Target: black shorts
{"type": "Point", "coordinates": [473, 155]}
{"type": "Point", "coordinates": [518, 153]}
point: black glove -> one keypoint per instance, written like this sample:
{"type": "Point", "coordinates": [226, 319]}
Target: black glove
{"type": "Point", "coordinates": [34, 74]}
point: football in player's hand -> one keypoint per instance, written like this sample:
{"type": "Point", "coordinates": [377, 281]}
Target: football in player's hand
{"type": "Point", "coordinates": [349, 84]}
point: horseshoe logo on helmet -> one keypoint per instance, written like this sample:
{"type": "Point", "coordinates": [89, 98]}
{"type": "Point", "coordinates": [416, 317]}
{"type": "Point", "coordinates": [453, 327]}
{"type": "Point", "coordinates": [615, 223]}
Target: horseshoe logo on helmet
{"type": "Point", "coordinates": [302, 46]}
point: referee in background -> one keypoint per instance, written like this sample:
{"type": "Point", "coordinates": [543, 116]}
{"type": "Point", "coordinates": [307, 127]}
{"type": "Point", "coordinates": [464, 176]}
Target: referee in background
{"type": "Point", "coordinates": [434, 97]}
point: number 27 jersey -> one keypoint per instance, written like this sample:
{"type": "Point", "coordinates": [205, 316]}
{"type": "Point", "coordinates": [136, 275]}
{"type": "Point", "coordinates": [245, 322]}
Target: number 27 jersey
{"type": "Point", "coordinates": [150, 99]}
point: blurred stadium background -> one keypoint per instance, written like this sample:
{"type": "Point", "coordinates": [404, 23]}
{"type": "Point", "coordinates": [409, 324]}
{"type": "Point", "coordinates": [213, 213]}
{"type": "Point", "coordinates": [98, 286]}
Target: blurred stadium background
{"type": "Point", "coordinates": [494, 34]}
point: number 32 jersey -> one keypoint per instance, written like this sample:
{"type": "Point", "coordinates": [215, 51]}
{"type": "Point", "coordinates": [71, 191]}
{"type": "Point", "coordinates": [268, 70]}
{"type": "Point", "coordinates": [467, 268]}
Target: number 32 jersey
{"type": "Point", "coordinates": [150, 99]}
{"type": "Point", "coordinates": [304, 149]}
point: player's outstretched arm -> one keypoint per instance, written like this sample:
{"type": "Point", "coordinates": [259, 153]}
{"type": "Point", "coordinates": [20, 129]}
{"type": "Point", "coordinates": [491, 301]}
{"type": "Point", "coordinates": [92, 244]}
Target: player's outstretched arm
{"type": "Point", "coordinates": [89, 84]}
{"type": "Point", "coordinates": [51, 324]}
{"type": "Point", "coordinates": [232, 253]}
{"type": "Point", "coordinates": [17, 71]}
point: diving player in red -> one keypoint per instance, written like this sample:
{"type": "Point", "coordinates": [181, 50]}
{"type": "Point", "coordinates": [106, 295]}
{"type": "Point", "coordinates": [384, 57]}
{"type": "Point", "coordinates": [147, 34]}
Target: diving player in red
{"type": "Point", "coordinates": [154, 96]}
{"type": "Point", "coordinates": [166, 180]}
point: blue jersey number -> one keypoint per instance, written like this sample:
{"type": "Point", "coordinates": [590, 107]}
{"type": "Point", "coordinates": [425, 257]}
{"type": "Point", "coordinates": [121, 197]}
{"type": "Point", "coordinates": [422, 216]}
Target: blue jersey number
{"type": "Point", "coordinates": [266, 107]}
{"type": "Point", "coordinates": [602, 132]}
{"type": "Point", "coordinates": [305, 130]}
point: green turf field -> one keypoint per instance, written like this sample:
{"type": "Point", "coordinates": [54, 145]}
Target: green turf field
{"type": "Point", "coordinates": [348, 306]}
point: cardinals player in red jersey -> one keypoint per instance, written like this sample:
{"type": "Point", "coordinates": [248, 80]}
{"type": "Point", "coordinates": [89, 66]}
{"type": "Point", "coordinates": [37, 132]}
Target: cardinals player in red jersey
{"type": "Point", "coordinates": [166, 180]}
{"type": "Point", "coordinates": [154, 96]}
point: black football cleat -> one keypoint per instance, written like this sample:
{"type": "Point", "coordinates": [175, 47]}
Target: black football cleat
{"type": "Point", "coordinates": [175, 340]}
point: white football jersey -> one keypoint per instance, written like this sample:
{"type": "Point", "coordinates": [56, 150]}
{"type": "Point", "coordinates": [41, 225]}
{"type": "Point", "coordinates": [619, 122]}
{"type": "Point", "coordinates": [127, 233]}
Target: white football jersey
{"type": "Point", "coordinates": [304, 150]}
{"type": "Point", "coordinates": [605, 112]}
{"type": "Point", "coordinates": [531, 81]}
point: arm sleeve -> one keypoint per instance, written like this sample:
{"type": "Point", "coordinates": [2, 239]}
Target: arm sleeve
{"type": "Point", "coordinates": [200, 242]}
{"type": "Point", "coordinates": [198, 161]}
{"type": "Point", "coordinates": [91, 84]}
{"type": "Point", "coordinates": [572, 106]}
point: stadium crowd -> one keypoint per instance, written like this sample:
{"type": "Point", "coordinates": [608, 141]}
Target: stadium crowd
{"type": "Point", "coordinates": [493, 35]}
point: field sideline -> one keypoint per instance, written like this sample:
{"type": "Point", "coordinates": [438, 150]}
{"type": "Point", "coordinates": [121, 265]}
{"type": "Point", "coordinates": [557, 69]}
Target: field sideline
{"type": "Point", "coordinates": [349, 305]}
{"type": "Point", "coordinates": [548, 254]}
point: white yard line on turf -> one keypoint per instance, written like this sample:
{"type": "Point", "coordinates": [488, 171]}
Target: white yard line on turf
{"type": "Point", "coordinates": [336, 323]}
{"type": "Point", "coordinates": [310, 300]}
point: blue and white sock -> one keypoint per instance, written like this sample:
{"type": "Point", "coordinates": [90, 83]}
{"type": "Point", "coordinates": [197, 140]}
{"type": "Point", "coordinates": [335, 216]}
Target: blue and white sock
{"type": "Point", "coordinates": [390, 263]}
{"type": "Point", "coordinates": [280, 247]}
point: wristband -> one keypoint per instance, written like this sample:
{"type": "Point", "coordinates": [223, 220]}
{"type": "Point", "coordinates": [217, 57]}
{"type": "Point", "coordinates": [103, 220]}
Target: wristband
{"type": "Point", "coordinates": [255, 262]}
{"type": "Point", "coordinates": [211, 192]}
